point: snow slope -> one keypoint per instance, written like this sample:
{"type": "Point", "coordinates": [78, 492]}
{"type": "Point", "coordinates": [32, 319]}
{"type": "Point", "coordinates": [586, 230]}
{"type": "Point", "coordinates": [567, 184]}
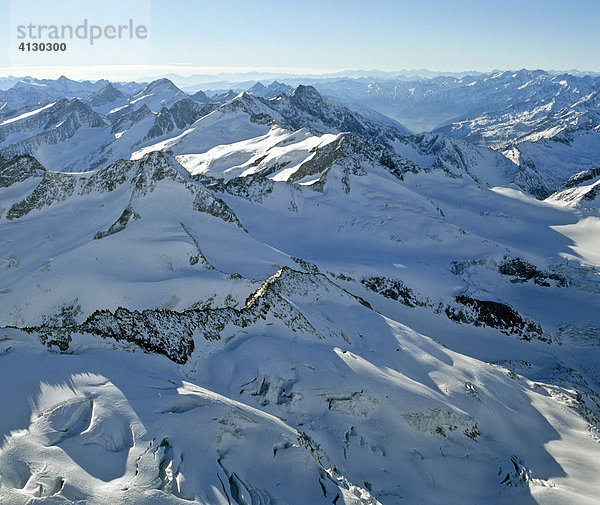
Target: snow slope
{"type": "Point", "coordinates": [282, 364]}
{"type": "Point", "coordinates": [283, 301]}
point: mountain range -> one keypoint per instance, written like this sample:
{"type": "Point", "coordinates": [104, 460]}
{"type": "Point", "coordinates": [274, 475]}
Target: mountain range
{"type": "Point", "coordinates": [284, 295]}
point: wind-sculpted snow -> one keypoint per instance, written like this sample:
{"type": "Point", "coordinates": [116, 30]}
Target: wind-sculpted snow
{"type": "Point", "coordinates": [297, 158]}
{"type": "Point", "coordinates": [387, 395]}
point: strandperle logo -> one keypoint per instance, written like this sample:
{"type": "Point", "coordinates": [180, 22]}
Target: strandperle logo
{"type": "Point", "coordinates": [85, 31]}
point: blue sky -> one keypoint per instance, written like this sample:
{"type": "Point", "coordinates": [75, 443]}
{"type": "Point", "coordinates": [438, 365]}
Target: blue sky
{"type": "Point", "coordinates": [325, 35]}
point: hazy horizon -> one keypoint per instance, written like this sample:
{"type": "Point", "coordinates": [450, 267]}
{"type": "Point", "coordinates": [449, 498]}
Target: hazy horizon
{"type": "Point", "coordinates": [211, 38]}
{"type": "Point", "coordinates": [242, 75]}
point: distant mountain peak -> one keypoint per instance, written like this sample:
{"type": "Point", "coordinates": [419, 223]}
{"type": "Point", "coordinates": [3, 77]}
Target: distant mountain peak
{"type": "Point", "coordinates": [307, 93]}
{"type": "Point", "coordinates": [258, 87]}
{"type": "Point", "coordinates": [159, 83]}
{"type": "Point", "coordinates": [271, 91]}
{"type": "Point", "coordinates": [200, 96]}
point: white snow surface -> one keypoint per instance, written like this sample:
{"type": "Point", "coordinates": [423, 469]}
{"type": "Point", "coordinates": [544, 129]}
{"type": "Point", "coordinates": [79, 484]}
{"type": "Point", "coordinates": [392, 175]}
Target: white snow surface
{"type": "Point", "coordinates": [278, 148]}
{"type": "Point", "coordinates": [317, 277]}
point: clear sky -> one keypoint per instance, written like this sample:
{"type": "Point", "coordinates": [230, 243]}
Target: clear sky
{"type": "Point", "coordinates": [317, 36]}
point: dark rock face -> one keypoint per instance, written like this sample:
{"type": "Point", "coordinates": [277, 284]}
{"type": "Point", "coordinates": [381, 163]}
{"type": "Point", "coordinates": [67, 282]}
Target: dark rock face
{"type": "Point", "coordinates": [175, 334]}
{"type": "Point", "coordinates": [179, 116]}
{"type": "Point", "coordinates": [393, 289]}
{"type": "Point", "coordinates": [166, 332]}
{"type": "Point", "coordinates": [120, 224]}
{"type": "Point", "coordinates": [105, 96]}
{"type": "Point", "coordinates": [19, 168]}
{"type": "Point", "coordinates": [254, 187]}
{"type": "Point", "coordinates": [306, 108]}
{"type": "Point", "coordinates": [351, 151]}
{"type": "Point", "coordinates": [587, 182]}
{"type": "Point", "coordinates": [581, 177]}
{"type": "Point", "coordinates": [523, 271]}
{"type": "Point", "coordinates": [158, 331]}
{"type": "Point", "coordinates": [495, 315]}
{"type": "Point", "coordinates": [468, 310]}
{"type": "Point", "coordinates": [125, 118]}
{"type": "Point", "coordinates": [54, 188]}
{"type": "Point", "coordinates": [143, 176]}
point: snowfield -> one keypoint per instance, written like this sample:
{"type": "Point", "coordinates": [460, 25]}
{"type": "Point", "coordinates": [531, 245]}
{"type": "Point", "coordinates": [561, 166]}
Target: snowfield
{"type": "Point", "coordinates": [281, 300]}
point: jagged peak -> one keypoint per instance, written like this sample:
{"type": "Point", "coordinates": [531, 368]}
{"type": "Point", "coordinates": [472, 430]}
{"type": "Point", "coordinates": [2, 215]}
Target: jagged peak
{"type": "Point", "coordinates": [159, 165]}
{"type": "Point", "coordinates": [61, 102]}
{"type": "Point", "coordinates": [133, 168]}
{"type": "Point", "coordinates": [223, 97]}
{"type": "Point", "coordinates": [21, 158]}
{"type": "Point", "coordinates": [272, 90]}
{"type": "Point", "coordinates": [307, 93]}
{"type": "Point", "coordinates": [82, 108]}
{"type": "Point", "coordinates": [109, 89]}
{"type": "Point", "coordinates": [243, 95]}
{"type": "Point", "coordinates": [76, 102]}
{"type": "Point", "coordinates": [287, 280]}
{"type": "Point", "coordinates": [144, 109]}
{"type": "Point", "coordinates": [159, 159]}
{"type": "Point", "coordinates": [186, 100]}
{"type": "Point", "coordinates": [259, 86]}
{"type": "Point", "coordinates": [134, 115]}
{"type": "Point", "coordinates": [244, 100]}
{"type": "Point", "coordinates": [200, 96]}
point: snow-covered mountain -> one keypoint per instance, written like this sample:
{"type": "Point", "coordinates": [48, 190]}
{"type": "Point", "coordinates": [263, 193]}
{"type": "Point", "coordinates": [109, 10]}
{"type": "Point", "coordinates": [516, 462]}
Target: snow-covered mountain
{"type": "Point", "coordinates": [29, 93]}
{"type": "Point", "coordinates": [521, 122]}
{"type": "Point", "coordinates": [157, 95]}
{"type": "Point", "coordinates": [424, 104]}
{"type": "Point", "coordinates": [200, 96]}
{"type": "Point", "coordinates": [58, 134]}
{"type": "Point", "coordinates": [285, 300]}
{"type": "Point", "coordinates": [580, 190]}
{"type": "Point", "coordinates": [542, 122]}
{"type": "Point", "coordinates": [283, 133]}
{"type": "Point", "coordinates": [79, 135]}
{"type": "Point", "coordinates": [558, 158]}
{"type": "Point", "coordinates": [106, 99]}
{"type": "Point", "coordinates": [271, 91]}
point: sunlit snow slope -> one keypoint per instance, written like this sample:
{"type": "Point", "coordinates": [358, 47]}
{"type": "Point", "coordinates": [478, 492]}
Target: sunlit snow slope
{"type": "Point", "coordinates": [282, 302]}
